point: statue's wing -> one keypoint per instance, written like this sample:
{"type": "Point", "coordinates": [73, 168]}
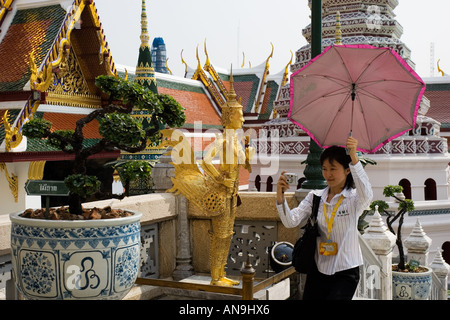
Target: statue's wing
{"type": "Point", "coordinates": [200, 190]}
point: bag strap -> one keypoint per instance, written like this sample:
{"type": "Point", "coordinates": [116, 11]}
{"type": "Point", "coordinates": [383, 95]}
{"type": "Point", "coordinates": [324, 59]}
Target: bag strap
{"type": "Point", "coordinates": [315, 207]}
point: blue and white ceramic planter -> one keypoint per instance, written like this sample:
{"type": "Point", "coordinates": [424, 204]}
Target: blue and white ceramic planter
{"type": "Point", "coordinates": [411, 286]}
{"type": "Point", "coordinates": [95, 259]}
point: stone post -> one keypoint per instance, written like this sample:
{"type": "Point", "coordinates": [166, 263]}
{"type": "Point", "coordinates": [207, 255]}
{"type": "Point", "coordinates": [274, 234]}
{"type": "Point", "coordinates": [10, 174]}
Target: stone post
{"type": "Point", "coordinates": [162, 172]}
{"type": "Point", "coordinates": [441, 270]}
{"type": "Point", "coordinates": [184, 266]}
{"type": "Point", "coordinates": [382, 241]}
{"type": "Point", "coordinates": [417, 244]}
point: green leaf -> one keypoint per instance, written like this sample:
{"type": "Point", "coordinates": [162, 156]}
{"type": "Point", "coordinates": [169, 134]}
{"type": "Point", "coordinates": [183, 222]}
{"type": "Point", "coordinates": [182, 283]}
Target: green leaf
{"type": "Point", "coordinates": [390, 190]}
{"type": "Point", "coordinates": [121, 129]}
{"type": "Point", "coordinates": [382, 205]}
{"type": "Point", "coordinates": [82, 185]}
{"type": "Point", "coordinates": [37, 128]}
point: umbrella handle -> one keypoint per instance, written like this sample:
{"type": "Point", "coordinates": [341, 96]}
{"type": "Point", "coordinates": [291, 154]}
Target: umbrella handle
{"type": "Point", "coordinates": [347, 151]}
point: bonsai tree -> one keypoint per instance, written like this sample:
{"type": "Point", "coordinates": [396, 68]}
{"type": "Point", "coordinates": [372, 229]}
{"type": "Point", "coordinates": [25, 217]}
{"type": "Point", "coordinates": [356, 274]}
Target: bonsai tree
{"type": "Point", "coordinates": [405, 205]}
{"type": "Point", "coordinates": [119, 130]}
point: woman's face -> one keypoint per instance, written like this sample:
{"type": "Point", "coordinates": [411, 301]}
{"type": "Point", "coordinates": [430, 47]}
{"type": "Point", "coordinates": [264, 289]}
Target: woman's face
{"type": "Point", "coordinates": [335, 174]}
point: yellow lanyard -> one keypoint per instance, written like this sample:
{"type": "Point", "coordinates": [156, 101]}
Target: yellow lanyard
{"type": "Point", "coordinates": [330, 221]}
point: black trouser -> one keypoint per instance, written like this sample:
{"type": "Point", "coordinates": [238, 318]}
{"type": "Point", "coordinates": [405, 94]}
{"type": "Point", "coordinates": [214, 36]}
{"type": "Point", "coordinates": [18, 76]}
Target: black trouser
{"type": "Point", "coordinates": [339, 286]}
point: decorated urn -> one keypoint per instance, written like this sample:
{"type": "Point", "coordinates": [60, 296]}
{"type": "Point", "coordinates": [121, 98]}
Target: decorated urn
{"type": "Point", "coordinates": [67, 260]}
{"type": "Point", "coordinates": [411, 285]}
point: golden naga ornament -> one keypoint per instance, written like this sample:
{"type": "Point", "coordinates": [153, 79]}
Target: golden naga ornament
{"type": "Point", "coordinates": [214, 189]}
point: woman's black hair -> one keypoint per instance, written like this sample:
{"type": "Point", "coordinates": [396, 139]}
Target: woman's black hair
{"type": "Point", "coordinates": [339, 155]}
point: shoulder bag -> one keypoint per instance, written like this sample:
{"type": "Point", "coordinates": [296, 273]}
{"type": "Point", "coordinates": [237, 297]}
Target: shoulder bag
{"type": "Point", "coordinates": [305, 247]}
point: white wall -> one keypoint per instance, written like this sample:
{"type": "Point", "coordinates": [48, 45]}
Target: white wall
{"type": "Point", "coordinates": [417, 169]}
{"type": "Point", "coordinates": [7, 201]}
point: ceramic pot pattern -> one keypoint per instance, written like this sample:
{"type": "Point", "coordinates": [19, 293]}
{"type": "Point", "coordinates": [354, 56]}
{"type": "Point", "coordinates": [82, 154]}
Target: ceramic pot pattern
{"type": "Point", "coordinates": [411, 286]}
{"type": "Point", "coordinates": [75, 259]}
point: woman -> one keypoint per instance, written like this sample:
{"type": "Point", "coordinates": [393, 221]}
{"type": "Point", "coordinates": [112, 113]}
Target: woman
{"type": "Point", "coordinates": [338, 255]}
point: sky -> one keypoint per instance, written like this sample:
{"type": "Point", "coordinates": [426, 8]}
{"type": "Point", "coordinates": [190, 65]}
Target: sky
{"type": "Point", "coordinates": [232, 28]}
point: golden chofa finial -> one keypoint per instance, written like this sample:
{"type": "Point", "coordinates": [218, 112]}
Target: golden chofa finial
{"type": "Point", "coordinates": [207, 63]}
{"type": "Point", "coordinates": [270, 56]}
{"type": "Point", "coordinates": [338, 34]}
{"type": "Point", "coordinates": [439, 69]}
{"type": "Point", "coordinates": [184, 62]}
{"type": "Point", "coordinates": [199, 65]}
{"type": "Point", "coordinates": [286, 72]}
{"type": "Point", "coordinates": [167, 66]}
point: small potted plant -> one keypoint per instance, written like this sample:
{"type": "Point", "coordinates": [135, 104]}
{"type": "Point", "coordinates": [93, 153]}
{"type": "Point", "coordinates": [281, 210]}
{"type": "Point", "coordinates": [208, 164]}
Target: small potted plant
{"type": "Point", "coordinates": [411, 281]}
{"type": "Point", "coordinates": [79, 253]}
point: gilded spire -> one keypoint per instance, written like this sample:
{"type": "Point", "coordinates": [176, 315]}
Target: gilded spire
{"type": "Point", "coordinates": [145, 38]}
{"type": "Point", "coordinates": [145, 73]}
{"type": "Point", "coordinates": [338, 34]}
{"type": "Point", "coordinates": [231, 96]}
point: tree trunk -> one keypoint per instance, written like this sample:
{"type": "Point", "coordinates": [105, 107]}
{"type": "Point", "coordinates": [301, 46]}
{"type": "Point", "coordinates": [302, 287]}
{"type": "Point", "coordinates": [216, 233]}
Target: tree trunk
{"type": "Point", "coordinates": [75, 204]}
{"type": "Point", "coordinates": [399, 242]}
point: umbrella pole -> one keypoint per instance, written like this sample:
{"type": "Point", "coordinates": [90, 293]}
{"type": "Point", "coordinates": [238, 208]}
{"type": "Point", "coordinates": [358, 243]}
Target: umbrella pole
{"type": "Point", "coordinates": [353, 106]}
{"type": "Point", "coordinates": [313, 170]}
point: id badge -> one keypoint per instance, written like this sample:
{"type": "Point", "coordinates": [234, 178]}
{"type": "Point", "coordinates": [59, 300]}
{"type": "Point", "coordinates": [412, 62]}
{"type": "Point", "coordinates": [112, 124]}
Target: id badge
{"type": "Point", "coordinates": [328, 248]}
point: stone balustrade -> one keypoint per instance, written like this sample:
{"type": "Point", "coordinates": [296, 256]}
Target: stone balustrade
{"type": "Point", "coordinates": [175, 242]}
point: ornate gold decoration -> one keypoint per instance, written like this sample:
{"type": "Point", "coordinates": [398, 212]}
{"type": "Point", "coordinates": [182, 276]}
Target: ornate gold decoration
{"type": "Point", "coordinates": [167, 66]}
{"type": "Point", "coordinates": [258, 100]}
{"type": "Point", "coordinates": [439, 68]}
{"type": "Point", "coordinates": [12, 136]}
{"type": "Point", "coordinates": [209, 68]}
{"type": "Point", "coordinates": [283, 82]}
{"type": "Point", "coordinates": [69, 87]}
{"type": "Point", "coordinates": [13, 181]}
{"type": "Point", "coordinates": [183, 62]}
{"type": "Point", "coordinates": [36, 170]}
{"type": "Point", "coordinates": [5, 6]}
{"type": "Point", "coordinates": [69, 78]}
{"type": "Point", "coordinates": [214, 190]}
{"type": "Point", "coordinates": [74, 100]}
{"type": "Point", "coordinates": [201, 75]}
{"type": "Point", "coordinates": [41, 78]}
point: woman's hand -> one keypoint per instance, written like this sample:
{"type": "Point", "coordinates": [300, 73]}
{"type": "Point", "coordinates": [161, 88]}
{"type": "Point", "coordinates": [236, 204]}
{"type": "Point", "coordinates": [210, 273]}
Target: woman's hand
{"type": "Point", "coordinates": [352, 144]}
{"type": "Point", "coordinates": [282, 186]}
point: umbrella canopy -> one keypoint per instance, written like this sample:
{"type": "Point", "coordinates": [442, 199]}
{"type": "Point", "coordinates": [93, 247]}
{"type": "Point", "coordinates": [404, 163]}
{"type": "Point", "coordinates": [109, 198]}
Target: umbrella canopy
{"type": "Point", "coordinates": [369, 92]}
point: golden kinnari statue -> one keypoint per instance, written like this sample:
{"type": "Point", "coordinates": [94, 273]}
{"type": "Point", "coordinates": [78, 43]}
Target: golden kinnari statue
{"type": "Point", "coordinates": [214, 190]}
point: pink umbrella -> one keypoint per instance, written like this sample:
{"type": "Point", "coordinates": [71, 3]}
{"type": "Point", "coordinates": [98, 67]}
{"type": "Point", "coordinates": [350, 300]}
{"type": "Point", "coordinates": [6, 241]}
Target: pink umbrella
{"type": "Point", "coordinates": [368, 92]}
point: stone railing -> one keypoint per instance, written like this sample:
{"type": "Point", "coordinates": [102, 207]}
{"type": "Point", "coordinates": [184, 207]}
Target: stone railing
{"type": "Point", "coordinates": [377, 273]}
{"type": "Point", "coordinates": [175, 244]}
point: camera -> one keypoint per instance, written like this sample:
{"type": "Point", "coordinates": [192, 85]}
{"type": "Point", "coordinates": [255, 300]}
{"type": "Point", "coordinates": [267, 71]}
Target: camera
{"type": "Point", "coordinates": [291, 178]}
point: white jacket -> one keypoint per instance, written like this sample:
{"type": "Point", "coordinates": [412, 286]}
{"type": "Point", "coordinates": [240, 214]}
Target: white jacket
{"type": "Point", "coordinates": [345, 224]}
